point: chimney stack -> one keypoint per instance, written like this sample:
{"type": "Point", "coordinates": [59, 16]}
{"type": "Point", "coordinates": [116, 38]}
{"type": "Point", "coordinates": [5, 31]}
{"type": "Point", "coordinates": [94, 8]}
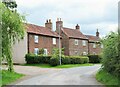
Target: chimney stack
{"type": "Point", "coordinates": [59, 24]}
{"type": "Point", "coordinates": [48, 24]}
{"type": "Point", "coordinates": [77, 27]}
{"type": "Point", "coordinates": [97, 33]}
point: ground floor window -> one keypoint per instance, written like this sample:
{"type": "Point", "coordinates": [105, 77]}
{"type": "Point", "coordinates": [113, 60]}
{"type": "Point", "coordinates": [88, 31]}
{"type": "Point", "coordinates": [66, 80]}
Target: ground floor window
{"type": "Point", "coordinates": [45, 52]}
{"type": "Point", "coordinates": [36, 51]}
{"type": "Point", "coordinates": [84, 53]}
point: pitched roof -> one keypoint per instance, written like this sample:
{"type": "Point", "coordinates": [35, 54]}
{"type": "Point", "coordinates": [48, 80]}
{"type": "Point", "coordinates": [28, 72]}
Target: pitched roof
{"type": "Point", "coordinates": [73, 33]}
{"type": "Point", "coordinates": [93, 38]}
{"type": "Point", "coordinates": [31, 28]}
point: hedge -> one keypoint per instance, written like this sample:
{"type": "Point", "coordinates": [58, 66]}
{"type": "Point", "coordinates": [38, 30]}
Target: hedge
{"type": "Point", "coordinates": [54, 61]}
{"type": "Point", "coordinates": [94, 58]}
{"type": "Point", "coordinates": [36, 59]}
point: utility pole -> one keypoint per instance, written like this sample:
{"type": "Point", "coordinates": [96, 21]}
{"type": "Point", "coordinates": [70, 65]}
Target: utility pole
{"type": "Point", "coordinates": [59, 45]}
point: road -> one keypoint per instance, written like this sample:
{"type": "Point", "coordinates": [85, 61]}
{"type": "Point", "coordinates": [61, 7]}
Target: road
{"type": "Point", "coordinates": [72, 76]}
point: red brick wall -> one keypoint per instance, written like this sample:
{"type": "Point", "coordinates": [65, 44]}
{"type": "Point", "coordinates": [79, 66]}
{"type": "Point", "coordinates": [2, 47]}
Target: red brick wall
{"type": "Point", "coordinates": [96, 50]}
{"type": "Point", "coordinates": [65, 43]}
{"type": "Point", "coordinates": [79, 48]}
{"type": "Point", "coordinates": [44, 42]}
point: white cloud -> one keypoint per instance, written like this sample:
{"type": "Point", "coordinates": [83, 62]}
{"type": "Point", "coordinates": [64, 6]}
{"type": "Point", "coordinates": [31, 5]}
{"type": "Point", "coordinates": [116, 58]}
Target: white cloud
{"type": "Point", "coordinates": [90, 14]}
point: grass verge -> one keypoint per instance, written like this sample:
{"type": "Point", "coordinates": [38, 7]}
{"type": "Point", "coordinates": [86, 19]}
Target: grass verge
{"type": "Point", "coordinates": [107, 79]}
{"type": "Point", "coordinates": [9, 77]}
{"type": "Point", "coordinates": [59, 66]}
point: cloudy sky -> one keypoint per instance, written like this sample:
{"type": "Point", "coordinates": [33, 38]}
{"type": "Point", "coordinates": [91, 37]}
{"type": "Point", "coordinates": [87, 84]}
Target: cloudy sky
{"type": "Point", "coordinates": [89, 14]}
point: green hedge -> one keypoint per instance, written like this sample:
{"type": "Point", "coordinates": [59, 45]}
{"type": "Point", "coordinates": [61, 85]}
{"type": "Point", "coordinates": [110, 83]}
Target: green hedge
{"type": "Point", "coordinates": [94, 58]}
{"type": "Point", "coordinates": [36, 59]}
{"type": "Point", "coordinates": [54, 61]}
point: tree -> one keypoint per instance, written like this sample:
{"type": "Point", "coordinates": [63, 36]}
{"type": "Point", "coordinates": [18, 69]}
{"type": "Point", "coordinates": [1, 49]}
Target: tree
{"type": "Point", "coordinates": [111, 54]}
{"type": "Point", "coordinates": [12, 30]}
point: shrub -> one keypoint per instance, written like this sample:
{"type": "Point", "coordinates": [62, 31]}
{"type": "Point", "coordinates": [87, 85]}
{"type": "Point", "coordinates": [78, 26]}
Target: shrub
{"type": "Point", "coordinates": [54, 61]}
{"type": "Point", "coordinates": [94, 58]}
{"type": "Point", "coordinates": [35, 59]}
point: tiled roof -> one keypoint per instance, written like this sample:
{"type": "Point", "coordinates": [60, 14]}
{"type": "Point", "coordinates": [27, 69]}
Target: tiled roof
{"type": "Point", "coordinates": [31, 28]}
{"type": "Point", "coordinates": [73, 33]}
{"type": "Point", "coordinates": [93, 38]}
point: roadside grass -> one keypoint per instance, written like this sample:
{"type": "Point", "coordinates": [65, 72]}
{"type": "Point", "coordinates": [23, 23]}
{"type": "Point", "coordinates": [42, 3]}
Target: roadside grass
{"type": "Point", "coordinates": [107, 79]}
{"type": "Point", "coordinates": [9, 77]}
{"type": "Point", "coordinates": [59, 66]}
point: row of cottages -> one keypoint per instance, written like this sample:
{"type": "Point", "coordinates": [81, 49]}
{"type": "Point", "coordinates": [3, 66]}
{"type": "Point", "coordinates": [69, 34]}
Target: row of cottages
{"type": "Point", "coordinates": [72, 40]}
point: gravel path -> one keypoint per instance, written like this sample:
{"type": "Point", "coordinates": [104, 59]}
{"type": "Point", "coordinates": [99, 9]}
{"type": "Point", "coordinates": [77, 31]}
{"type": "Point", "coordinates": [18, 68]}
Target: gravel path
{"type": "Point", "coordinates": [72, 76]}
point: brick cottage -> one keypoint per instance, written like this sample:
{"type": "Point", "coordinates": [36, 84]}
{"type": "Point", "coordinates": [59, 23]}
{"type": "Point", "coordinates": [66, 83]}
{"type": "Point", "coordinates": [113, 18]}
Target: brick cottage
{"type": "Point", "coordinates": [73, 41]}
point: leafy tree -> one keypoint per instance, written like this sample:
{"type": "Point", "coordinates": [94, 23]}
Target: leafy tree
{"type": "Point", "coordinates": [12, 30]}
{"type": "Point", "coordinates": [111, 54]}
{"type": "Point", "coordinates": [41, 51]}
{"type": "Point", "coordinates": [11, 4]}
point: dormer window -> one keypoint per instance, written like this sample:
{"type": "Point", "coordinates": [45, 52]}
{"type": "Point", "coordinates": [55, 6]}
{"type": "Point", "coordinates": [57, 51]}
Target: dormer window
{"type": "Point", "coordinates": [76, 42]}
{"type": "Point", "coordinates": [36, 39]}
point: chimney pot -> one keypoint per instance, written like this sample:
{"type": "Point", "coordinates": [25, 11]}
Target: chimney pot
{"type": "Point", "coordinates": [77, 27]}
{"type": "Point", "coordinates": [97, 33]}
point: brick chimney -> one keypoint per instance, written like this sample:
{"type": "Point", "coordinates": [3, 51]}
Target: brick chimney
{"type": "Point", "coordinates": [48, 24]}
{"type": "Point", "coordinates": [77, 27]}
{"type": "Point", "coordinates": [97, 33]}
{"type": "Point", "coordinates": [59, 24]}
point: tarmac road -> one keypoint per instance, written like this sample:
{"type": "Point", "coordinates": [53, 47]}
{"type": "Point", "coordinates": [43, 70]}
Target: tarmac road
{"type": "Point", "coordinates": [73, 76]}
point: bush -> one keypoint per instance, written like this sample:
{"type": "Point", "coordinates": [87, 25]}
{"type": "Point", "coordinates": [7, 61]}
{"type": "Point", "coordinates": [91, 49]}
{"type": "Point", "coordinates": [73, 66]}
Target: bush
{"type": "Point", "coordinates": [94, 58]}
{"type": "Point", "coordinates": [36, 59]}
{"type": "Point", "coordinates": [54, 60]}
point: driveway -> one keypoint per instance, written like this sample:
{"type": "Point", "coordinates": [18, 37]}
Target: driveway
{"type": "Point", "coordinates": [72, 76]}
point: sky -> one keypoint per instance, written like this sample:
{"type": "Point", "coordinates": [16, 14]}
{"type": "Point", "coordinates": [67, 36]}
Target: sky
{"type": "Point", "coordinates": [89, 14]}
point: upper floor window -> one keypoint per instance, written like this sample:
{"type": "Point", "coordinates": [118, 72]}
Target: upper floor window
{"type": "Point", "coordinates": [45, 52]}
{"type": "Point", "coordinates": [84, 43]}
{"type": "Point", "coordinates": [94, 45]}
{"type": "Point", "coordinates": [54, 41]}
{"type": "Point", "coordinates": [36, 51]}
{"type": "Point", "coordinates": [36, 39]}
{"type": "Point", "coordinates": [76, 42]}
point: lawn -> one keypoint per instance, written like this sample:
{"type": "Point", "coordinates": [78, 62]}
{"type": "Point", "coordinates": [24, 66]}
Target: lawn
{"type": "Point", "coordinates": [107, 79]}
{"type": "Point", "coordinates": [9, 77]}
{"type": "Point", "coordinates": [59, 66]}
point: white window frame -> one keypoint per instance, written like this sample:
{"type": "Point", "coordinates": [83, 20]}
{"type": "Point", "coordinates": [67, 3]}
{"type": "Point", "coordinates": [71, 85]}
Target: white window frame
{"type": "Point", "coordinates": [83, 42]}
{"type": "Point", "coordinates": [45, 52]}
{"type": "Point", "coordinates": [36, 38]}
{"type": "Point", "coordinates": [84, 53]}
{"type": "Point", "coordinates": [94, 53]}
{"type": "Point", "coordinates": [102, 46]}
{"type": "Point", "coordinates": [54, 41]}
{"type": "Point", "coordinates": [76, 41]}
{"type": "Point", "coordinates": [36, 50]}
{"type": "Point", "coordinates": [94, 45]}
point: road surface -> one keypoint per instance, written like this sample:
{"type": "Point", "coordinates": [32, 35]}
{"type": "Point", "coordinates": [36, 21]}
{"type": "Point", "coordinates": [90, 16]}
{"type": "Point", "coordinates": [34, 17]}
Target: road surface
{"type": "Point", "coordinates": [73, 76]}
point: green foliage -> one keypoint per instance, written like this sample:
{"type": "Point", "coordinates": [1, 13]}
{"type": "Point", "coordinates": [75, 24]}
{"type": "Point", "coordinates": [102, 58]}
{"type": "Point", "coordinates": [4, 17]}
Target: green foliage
{"type": "Point", "coordinates": [10, 4]}
{"type": "Point", "coordinates": [94, 58]}
{"type": "Point", "coordinates": [12, 30]}
{"type": "Point", "coordinates": [106, 78]}
{"type": "Point", "coordinates": [54, 61]}
{"type": "Point", "coordinates": [9, 77]}
{"type": "Point", "coordinates": [111, 58]}
{"type": "Point", "coordinates": [75, 60]}
{"type": "Point", "coordinates": [37, 59]}
{"type": "Point", "coordinates": [41, 51]}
